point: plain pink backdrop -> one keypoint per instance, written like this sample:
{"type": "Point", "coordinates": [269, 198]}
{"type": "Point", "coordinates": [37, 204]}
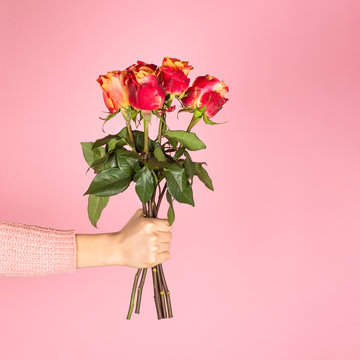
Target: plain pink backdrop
{"type": "Point", "coordinates": [264, 267]}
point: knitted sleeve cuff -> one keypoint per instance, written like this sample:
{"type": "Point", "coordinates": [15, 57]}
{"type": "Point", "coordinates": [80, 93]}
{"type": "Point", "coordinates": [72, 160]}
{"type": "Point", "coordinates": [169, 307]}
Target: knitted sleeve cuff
{"type": "Point", "coordinates": [27, 250]}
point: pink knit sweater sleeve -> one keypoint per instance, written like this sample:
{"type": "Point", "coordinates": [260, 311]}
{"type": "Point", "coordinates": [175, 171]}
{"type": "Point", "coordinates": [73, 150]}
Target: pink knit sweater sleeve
{"type": "Point", "coordinates": [27, 250]}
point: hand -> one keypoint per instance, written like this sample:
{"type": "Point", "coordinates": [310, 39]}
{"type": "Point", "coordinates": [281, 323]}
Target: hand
{"type": "Point", "coordinates": [141, 243]}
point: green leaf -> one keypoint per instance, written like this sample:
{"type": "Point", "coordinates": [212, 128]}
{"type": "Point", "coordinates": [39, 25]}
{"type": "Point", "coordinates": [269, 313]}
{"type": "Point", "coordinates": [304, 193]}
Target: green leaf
{"type": "Point", "coordinates": [96, 205]}
{"type": "Point", "coordinates": [179, 152]}
{"type": "Point", "coordinates": [111, 181]}
{"type": "Point", "coordinates": [189, 166]}
{"type": "Point", "coordinates": [156, 180]}
{"type": "Point", "coordinates": [178, 184]}
{"type": "Point", "coordinates": [159, 155]}
{"type": "Point", "coordinates": [115, 143]}
{"type": "Point", "coordinates": [124, 133]}
{"type": "Point", "coordinates": [188, 139]}
{"type": "Point", "coordinates": [171, 212]}
{"type": "Point", "coordinates": [210, 122]}
{"type": "Point", "coordinates": [173, 142]}
{"type": "Point", "coordinates": [139, 141]}
{"type": "Point", "coordinates": [126, 162]}
{"type": "Point", "coordinates": [155, 164]}
{"type": "Point", "coordinates": [127, 153]}
{"type": "Point", "coordinates": [145, 184]}
{"type": "Point", "coordinates": [105, 140]}
{"type": "Point", "coordinates": [89, 154]}
{"type": "Point", "coordinates": [100, 161]}
{"type": "Point", "coordinates": [127, 158]}
{"type": "Point", "coordinates": [110, 115]}
{"type": "Point", "coordinates": [203, 176]}
{"type": "Point", "coordinates": [110, 162]}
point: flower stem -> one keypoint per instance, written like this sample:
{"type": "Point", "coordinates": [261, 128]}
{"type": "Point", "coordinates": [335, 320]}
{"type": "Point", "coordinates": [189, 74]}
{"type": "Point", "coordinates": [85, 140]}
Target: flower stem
{"type": "Point", "coordinates": [161, 194]}
{"type": "Point", "coordinates": [167, 291]}
{"type": "Point", "coordinates": [162, 294]}
{"type": "Point", "coordinates": [127, 116]}
{"type": "Point", "coordinates": [195, 119]}
{"type": "Point", "coordinates": [146, 137]}
{"type": "Point", "coordinates": [147, 118]}
{"type": "Point", "coordinates": [156, 293]}
{"type": "Point", "coordinates": [154, 275]}
{"type": "Point", "coordinates": [128, 125]}
{"type": "Point", "coordinates": [133, 294]}
{"type": "Point", "coordinates": [160, 128]}
{"type": "Point", "coordinates": [140, 289]}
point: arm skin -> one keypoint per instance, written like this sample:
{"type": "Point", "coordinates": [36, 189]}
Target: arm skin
{"type": "Point", "coordinates": [141, 243]}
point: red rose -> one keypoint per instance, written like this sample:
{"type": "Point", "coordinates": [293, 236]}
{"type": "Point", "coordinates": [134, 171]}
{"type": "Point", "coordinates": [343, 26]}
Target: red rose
{"type": "Point", "coordinates": [173, 74]}
{"type": "Point", "coordinates": [115, 92]}
{"type": "Point", "coordinates": [206, 91]}
{"type": "Point", "coordinates": [145, 90]}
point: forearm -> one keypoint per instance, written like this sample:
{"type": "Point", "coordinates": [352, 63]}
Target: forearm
{"type": "Point", "coordinates": [141, 243]}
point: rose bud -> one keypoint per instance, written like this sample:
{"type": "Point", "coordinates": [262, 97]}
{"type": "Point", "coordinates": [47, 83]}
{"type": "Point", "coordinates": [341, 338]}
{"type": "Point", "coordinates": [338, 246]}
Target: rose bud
{"type": "Point", "coordinates": [145, 90]}
{"type": "Point", "coordinates": [206, 91]}
{"type": "Point", "coordinates": [115, 91]}
{"type": "Point", "coordinates": [173, 75]}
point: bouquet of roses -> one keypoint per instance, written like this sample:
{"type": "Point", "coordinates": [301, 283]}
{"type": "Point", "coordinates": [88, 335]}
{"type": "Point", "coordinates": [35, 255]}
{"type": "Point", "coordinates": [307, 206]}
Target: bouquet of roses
{"type": "Point", "coordinates": [159, 167]}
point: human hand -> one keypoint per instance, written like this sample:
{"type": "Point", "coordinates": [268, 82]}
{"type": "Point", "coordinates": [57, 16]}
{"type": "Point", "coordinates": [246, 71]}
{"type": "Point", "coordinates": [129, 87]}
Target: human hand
{"type": "Point", "coordinates": [143, 242]}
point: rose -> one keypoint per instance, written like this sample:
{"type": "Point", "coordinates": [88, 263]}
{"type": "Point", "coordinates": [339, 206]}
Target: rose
{"type": "Point", "coordinates": [145, 90]}
{"type": "Point", "coordinates": [115, 91]}
{"type": "Point", "coordinates": [173, 75]}
{"type": "Point", "coordinates": [206, 91]}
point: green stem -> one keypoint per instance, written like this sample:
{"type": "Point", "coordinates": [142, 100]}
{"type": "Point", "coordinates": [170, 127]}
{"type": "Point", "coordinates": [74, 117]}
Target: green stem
{"type": "Point", "coordinates": [127, 116]}
{"type": "Point", "coordinates": [147, 118]}
{"type": "Point", "coordinates": [160, 128]}
{"type": "Point", "coordinates": [133, 294]}
{"type": "Point", "coordinates": [195, 119]}
{"type": "Point", "coordinates": [128, 125]}
{"type": "Point", "coordinates": [146, 137]}
{"type": "Point", "coordinates": [163, 116]}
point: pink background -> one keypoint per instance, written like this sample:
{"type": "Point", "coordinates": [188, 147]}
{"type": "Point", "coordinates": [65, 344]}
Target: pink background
{"type": "Point", "coordinates": [264, 267]}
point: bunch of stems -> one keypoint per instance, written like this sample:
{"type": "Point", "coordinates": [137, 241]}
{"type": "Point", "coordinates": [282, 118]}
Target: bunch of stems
{"type": "Point", "coordinates": [151, 209]}
{"type": "Point", "coordinates": [161, 290]}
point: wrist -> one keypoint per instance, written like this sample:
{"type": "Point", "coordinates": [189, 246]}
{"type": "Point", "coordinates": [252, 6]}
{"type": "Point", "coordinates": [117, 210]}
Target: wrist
{"type": "Point", "coordinates": [94, 250]}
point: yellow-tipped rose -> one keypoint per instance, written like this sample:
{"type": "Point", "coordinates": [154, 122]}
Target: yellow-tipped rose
{"type": "Point", "coordinates": [206, 91]}
{"type": "Point", "coordinates": [115, 91]}
{"type": "Point", "coordinates": [173, 75]}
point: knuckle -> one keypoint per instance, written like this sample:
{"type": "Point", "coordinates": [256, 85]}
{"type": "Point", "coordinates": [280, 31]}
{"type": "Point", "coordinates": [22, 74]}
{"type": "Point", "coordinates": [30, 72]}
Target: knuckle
{"type": "Point", "coordinates": [151, 260]}
{"type": "Point", "coordinates": [147, 225]}
{"type": "Point", "coordinates": [154, 248]}
{"type": "Point", "coordinates": [153, 238]}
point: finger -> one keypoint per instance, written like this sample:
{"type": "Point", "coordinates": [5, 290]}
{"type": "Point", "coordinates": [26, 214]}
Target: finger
{"type": "Point", "coordinates": [164, 246]}
{"type": "Point", "coordinates": [162, 224]}
{"type": "Point", "coordinates": [164, 236]}
{"type": "Point", "coordinates": [163, 257]}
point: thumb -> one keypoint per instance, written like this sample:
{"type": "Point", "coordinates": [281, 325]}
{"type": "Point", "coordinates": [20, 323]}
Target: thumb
{"type": "Point", "coordinates": [138, 213]}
